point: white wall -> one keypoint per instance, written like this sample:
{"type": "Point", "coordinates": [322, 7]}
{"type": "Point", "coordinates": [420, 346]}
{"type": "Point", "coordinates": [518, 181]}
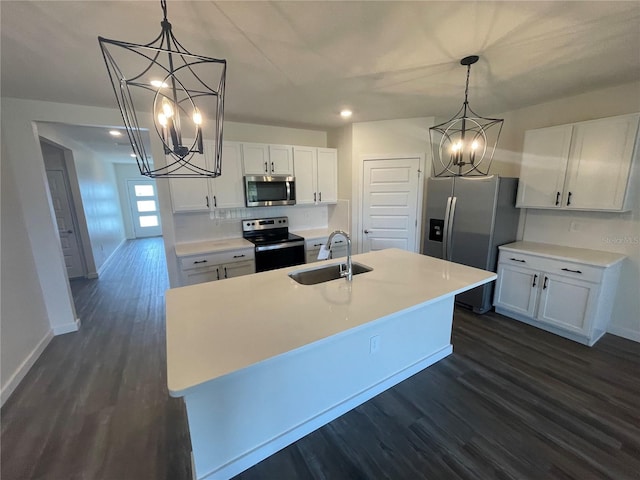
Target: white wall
{"type": "Point", "coordinates": [342, 139]}
{"type": "Point", "coordinates": [24, 326]}
{"type": "Point", "coordinates": [251, 132]}
{"type": "Point", "coordinates": [99, 192]}
{"type": "Point", "coordinates": [21, 153]}
{"type": "Point", "coordinates": [614, 232]}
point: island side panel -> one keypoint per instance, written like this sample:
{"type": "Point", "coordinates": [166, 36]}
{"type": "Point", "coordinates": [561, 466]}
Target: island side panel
{"type": "Point", "coordinates": [238, 420]}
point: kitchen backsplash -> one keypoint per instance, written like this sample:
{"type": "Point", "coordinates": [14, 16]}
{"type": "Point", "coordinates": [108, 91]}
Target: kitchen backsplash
{"type": "Point", "coordinates": [225, 223]}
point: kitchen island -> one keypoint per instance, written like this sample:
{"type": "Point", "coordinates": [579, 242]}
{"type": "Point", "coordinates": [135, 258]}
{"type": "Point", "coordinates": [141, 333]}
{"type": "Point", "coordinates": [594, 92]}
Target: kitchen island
{"type": "Point", "coordinates": [261, 360]}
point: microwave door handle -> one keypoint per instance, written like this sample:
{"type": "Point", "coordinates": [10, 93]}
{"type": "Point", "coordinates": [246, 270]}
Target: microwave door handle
{"type": "Point", "coordinates": [288, 191]}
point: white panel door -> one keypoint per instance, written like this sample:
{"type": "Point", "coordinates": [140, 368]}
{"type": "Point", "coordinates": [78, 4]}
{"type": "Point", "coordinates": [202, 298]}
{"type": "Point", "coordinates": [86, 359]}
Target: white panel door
{"type": "Point", "coordinates": [143, 198]}
{"type": "Point", "coordinates": [190, 194]}
{"type": "Point", "coordinates": [565, 302]}
{"type": "Point", "coordinates": [281, 159]}
{"type": "Point", "coordinates": [517, 289]}
{"type": "Point", "coordinates": [255, 159]}
{"type": "Point", "coordinates": [390, 204]}
{"type": "Point", "coordinates": [62, 206]}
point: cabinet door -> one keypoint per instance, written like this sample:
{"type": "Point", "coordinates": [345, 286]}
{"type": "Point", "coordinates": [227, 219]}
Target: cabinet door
{"type": "Point", "coordinates": [599, 163]}
{"type": "Point", "coordinates": [237, 269]}
{"type": "Point", "coordinates": [228, 188]}
{"type": "Point", "coordinates": [544, 164]}
{"type": "Point", "coordinates": [517, 289]}
{"type": "Point", "coordinates": [200, 275]}
{"type": "Point", "coordinates": [339, 250]}
{"type": "Point", "coordinates": [281, 159]}
{"type": "Point", "coordinates": [565, 302]}
{"type": "Point", "coordinates": [190, 194]}
{"type": "Point", "coordinates": [255, 159]}
{"type": "Point", "coordinates": [304, 162]}
{"type": "Point", "coordinates": [327, 175]}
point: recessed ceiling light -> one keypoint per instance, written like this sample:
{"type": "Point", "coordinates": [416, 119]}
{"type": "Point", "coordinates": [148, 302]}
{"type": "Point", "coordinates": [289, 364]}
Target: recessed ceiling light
{"type": "Point", "coordinates": [158, 84]}
{"type": "Point", "coordinates": [133, 155]}
{"type": "Point", "coordinates": [346, 113]}
{"type": "Point", "coordinates": [115, 133]}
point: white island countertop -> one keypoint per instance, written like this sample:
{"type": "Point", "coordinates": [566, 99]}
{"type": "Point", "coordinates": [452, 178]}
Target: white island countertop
{"type": "Point", "coordinates": [216, 328]}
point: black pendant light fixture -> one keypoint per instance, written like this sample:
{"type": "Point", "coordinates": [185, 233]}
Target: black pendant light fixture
{"type": "Point", "coordinates": [465, 144]}
{"type": "Point", "coordinates": [164, 77]}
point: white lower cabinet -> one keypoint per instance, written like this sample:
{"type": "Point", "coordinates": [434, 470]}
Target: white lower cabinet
{"type": "Point", "coordinates": [312, 248]}
{"type": "Point", "coordinates": [209, 267]}
{"type": "Point", "coordinates": [564, 290]}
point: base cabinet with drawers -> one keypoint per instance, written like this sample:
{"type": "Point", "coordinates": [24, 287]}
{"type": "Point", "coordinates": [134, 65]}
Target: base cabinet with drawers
{"type": "Point", "coordinates": [567, 291]}
{"type": "Point", "coordinates": [313, 245]}
{"type": "Point", "coordinates": [209, 267]}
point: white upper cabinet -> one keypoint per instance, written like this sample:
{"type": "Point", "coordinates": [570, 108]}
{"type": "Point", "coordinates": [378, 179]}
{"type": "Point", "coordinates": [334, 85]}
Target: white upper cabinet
{"type": "Point", "coordinates": [263, 159]}
{"type": "Point", "coordinates": [228, 188]}
{"type": "Point", "coordinates": [327, 175]}
{"type": "Point", "coordinates": [316, 171]}
{"type": "Point", "coordinates": [281, 159]}
{"type": "Point", "coordinates": [582, 166]}
{"type": "Point", "coordinates": [205, 194]}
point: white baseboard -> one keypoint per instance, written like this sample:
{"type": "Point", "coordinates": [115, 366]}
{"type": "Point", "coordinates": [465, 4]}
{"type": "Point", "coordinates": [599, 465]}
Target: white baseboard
{"type": "Point", "coordinates": [67, 327]}
{"type": "Point", "coordinates": [19, 374]}
{"type": "Point", "coordinates": [258, 454]}
{"type": "Point", "coordinates": [110, 257]}
{"type": "Point", "coordinates": [624, 332]}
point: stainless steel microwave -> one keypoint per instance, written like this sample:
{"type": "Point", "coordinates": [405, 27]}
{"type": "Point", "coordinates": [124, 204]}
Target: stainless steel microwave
{"type": "Point", "coordinates": [269, 191]}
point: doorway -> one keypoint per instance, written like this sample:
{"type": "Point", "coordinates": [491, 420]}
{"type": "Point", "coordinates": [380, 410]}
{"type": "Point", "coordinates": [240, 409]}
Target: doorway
{"type": "Point", "coordinates": [391, 203]}
{"type": "Point", "coordinates": [64, 210]}
{"type": "Point", "coordinates": [143, 199]}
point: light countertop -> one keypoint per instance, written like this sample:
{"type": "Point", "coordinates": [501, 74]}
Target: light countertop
{"type": "Point", "coordinates": [212, 246]}
{"type": "Point", "coordinates": [216, 328]}
{"type": "Point", "coordinates": [580, 255]}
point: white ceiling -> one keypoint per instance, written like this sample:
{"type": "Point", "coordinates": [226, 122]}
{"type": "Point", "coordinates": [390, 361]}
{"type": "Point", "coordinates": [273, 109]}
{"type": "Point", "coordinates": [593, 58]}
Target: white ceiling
{"type": "Point", "coordinates": [300, 63]}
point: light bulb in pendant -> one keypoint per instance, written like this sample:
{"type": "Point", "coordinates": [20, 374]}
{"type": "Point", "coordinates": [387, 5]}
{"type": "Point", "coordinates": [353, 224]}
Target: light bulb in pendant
{"type": "Point", "coordinates": [167, 109]}
{"type": "Point", "coordinates": [197, 117]}
{"type": "Point", "coordinates": [162, 119]}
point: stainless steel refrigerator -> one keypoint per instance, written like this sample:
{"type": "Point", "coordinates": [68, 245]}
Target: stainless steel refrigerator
{"type": "Point", "coordinates": [467, 218]}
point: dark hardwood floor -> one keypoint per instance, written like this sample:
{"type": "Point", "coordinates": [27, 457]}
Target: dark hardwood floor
{"type": "Point", "coordinates": [512, 402]}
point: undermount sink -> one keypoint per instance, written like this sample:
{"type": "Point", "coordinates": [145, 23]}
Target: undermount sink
{"type": "Point", "coordinates": [326, 273]}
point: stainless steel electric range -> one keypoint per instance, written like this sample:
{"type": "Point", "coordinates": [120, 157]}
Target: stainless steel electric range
{"type": "Point", "coordinates": [275, 246]}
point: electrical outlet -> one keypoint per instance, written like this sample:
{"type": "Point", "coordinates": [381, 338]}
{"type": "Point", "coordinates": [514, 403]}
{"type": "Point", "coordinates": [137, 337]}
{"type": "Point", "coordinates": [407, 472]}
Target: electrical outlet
{"type": "Point", "coordinates": [374, 344]}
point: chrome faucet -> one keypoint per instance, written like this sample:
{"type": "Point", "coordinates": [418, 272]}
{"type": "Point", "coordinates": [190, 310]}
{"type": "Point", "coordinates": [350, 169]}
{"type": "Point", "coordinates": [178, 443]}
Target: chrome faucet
{"type": "Point", "coordinates": [348, 273]}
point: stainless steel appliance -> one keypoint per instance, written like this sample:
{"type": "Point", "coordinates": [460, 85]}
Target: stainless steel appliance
{"type": "Point", "coordinates": [269, 191]}
{"type": "Point", "coordinates": [275, 247]}
{"type": "Point", "coordinates": [467, 218]}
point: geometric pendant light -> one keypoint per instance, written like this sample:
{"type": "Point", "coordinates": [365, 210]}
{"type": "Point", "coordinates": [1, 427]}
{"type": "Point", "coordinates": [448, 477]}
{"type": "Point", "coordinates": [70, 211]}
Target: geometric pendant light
{"type": "Point", "coordinates": [165, 78]}
{"type": "Point", "coordinates": [465, 144]}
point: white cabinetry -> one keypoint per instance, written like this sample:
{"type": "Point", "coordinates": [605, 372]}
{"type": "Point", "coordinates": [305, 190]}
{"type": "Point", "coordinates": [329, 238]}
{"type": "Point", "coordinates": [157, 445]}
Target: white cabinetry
{"type": "Point", "coordinates": [204, 194]}
{"type": "Point", "coordinates": [567, 291]}
{"type": "Point", "coordinates": [263, 159]}
{"type": "Point", "coordinates": [580, 166]}
{"type": "Point", "coordinates": [316, 171]}
{"type": "Point", "coordinates": [208, 267]}
{"type": "Point", "coordinates": [312, 248]}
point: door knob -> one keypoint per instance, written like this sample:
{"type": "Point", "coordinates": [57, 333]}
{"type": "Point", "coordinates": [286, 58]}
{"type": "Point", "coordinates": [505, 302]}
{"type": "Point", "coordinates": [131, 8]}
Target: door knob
{"type": "Point", "coordinates": [69, 231]}
{"type": "Point", "coordinates": [366, 231]}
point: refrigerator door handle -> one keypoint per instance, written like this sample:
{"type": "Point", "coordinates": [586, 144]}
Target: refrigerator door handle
{"type": "Point", "coordinates": [452, 215]}
{"type": "Point", "coordinates": [445, 229]}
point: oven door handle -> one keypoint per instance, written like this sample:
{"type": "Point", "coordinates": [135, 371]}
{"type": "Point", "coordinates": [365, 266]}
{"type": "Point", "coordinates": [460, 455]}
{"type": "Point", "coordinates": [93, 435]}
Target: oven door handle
{"type": "Point", "coordinates": [276, 246]}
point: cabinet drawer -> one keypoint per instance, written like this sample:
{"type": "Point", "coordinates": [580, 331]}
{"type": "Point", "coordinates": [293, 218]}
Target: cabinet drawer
{"type": "Point", "coordinates": [198, 261]}
{"type": "Point", "coordinates": [576, 270]}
